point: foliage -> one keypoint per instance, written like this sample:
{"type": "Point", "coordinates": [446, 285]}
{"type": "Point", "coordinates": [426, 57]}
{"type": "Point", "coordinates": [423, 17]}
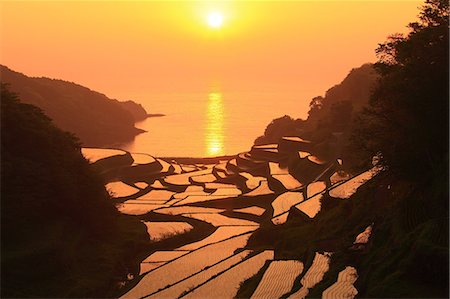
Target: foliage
{"type": "Point", "coordinates": [330, 118]}
{"type": "Point", "coordinates": [61, 236]}
{"type": "Point", "coordinates": [407, 119]}
{"type": "Point", "coordinates": [279, 127]}
{"type": "Point", "coordinates": [94, 118]}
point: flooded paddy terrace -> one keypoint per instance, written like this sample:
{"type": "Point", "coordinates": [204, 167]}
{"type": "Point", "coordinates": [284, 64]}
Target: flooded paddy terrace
{"type": "Point", "coordinates": [213, 206]}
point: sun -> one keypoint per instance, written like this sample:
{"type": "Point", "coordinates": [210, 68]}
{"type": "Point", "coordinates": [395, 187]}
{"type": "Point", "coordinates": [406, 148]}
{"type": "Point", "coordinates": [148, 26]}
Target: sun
{"type": "Point", "coordinates": [215, 20]}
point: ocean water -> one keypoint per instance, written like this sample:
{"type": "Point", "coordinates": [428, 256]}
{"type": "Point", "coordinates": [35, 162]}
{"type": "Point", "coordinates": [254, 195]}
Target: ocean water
{"type": "Point", "coordinates": [211, 123]}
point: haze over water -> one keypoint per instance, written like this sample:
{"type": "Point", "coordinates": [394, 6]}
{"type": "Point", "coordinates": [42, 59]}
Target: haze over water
{"type": "Point", "coordinates": [219, 123]}
{"type": "Point", "coordinates": [268, 59]}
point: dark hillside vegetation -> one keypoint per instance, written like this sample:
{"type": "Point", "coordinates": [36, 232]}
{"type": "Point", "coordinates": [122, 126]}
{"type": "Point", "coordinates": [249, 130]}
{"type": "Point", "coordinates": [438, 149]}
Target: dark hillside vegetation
{"type": "Point", "coordinates": [330, 118]}
{"type": "Point", "coordinates": [406, 120]}
{"type": "Point", "coordinates": [94, 118]}
{"type": "Point", "coordinates": [61, 236]}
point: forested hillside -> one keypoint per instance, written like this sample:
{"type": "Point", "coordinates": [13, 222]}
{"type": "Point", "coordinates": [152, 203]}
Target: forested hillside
{"type": "Point", "coordinates": [94, 118]}
{"type": "Point", "coordinates": [61, 234]}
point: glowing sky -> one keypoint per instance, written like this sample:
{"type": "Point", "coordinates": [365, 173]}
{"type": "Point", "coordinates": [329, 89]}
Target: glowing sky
{"type": "Point", "coordinates": [124, 48]}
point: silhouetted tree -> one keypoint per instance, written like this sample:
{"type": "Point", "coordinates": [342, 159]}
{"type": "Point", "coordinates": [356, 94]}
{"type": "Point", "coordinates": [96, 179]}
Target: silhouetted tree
{"type": "Point", "coordinates": [279, 127]}
{"type": "Point", "coordinates": [407, 119]}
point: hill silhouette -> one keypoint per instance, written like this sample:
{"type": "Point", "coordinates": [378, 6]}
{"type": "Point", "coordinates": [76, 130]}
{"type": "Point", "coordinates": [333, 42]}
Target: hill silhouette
{"type": "Point", "coordinates": [61, 235]}
{"type": "Point", "coordinates": [93, 117]}
{"type": "Point", "coordinates": [330, 118]}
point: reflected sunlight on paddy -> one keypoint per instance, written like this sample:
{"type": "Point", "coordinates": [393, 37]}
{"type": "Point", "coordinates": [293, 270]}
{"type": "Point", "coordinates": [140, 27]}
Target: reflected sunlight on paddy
{"type": "Point", "coordinates": [214, 133]}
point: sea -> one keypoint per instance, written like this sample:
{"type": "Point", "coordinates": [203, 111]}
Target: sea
{"type": "Point", "coordinates": [210, 124]}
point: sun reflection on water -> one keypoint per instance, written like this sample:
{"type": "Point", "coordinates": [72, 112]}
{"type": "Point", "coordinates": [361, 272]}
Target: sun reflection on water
{"type": "Point", "coordinates": [214, 135]}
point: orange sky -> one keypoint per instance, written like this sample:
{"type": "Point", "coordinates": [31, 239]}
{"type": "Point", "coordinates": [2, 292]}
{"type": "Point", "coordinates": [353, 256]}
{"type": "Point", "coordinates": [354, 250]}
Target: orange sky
{"type": "Point", "coordinates": [124, 48]}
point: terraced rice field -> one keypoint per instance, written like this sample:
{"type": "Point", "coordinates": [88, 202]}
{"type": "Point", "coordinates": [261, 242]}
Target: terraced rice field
{"type": "Point", "coordinates": [184, 286]}
{"type": "Point", "coordinates": [251, 210]}
{"type": "Point", "coordinates": [262, 189]}
{"type": "Point", "coordinates": [276, 169]}
{"type": "Point", "coordinates": [138, 208]}
{"type": "Point", "coordinates": [348, 188]}
{"type": "Point", "coordinates": [288, 181]}
{"type": "Point", "coordinates": [283, 203]}
{"type": "Point", "coordinates": [205, 178]}
{"type": "Point", "coordinates": [95, 154]}
{"type": "Point", "coordinates": [141, 185]}
{"type": "Point", "coordinates": [278, 279]}
{"type": "Point", "coordinates": [191, 199]}
{"type": "Point", "coordinates": [120, 189]}
{"type": "Point", "coordinates": [185, 266]}
{"type": "Point", "coordinates": [252, 182]}
{"type": "Point", "coordinates": [188, 210]}
{"type": "Point", "coordinates": [343, 287]}
{"type": "Point", "coordinates": [314, 275]}
{"type": "Point", "coordinates": [204, 201]}
{"type": "Point", "coordinates": [220, 220]}
{"type": "Point", "coordinates": [183, 179]}
{"type": "Point", "coordinates": [315, 188]}
{"type": "Point", "coordinates": [157, 185]}
{"type": "Point", "coordinates": [142, 159]}
{"type": "Point", "coordinates": [311, 206]}
{"type": "Point", "coordinates": [157, 195]}
{"type": "Point", "coordinates": [164, 256]}
{"type": "Point", "coordinates": [363, 238]}
{"type": "Point", "coordinates": [226, 285]}
{"type": "Point", "coordinates": [222, 233]}
{"type": "Point", "coordinates": [146, 267]}
{"type": "Point", "coordinates": [163, 230]}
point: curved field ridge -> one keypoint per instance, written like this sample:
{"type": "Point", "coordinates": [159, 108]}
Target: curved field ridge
{"type": "Point", "coordinates": [314, 275]}
{"type": "Point", "coordinates": [186, 266]}
{"type": "Point", "coordinates": [226, 285]}
{"type": "Point", "coordinates": [348, 188]}
{"type": "Point", "coordinates": [343, 288]}
{"type": "Point", "coordinates": [162, 230]}
{"type": "Point", "coordinates": [221, 233]}
{"type": "Point", "coordinates": [95, 154]}
{"type": "Point", "coordinates": [120, 189]}
{"type": "Point", "coordinates": [278, 279]}
{"type": "Point", "coordinates": [177, 289]}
